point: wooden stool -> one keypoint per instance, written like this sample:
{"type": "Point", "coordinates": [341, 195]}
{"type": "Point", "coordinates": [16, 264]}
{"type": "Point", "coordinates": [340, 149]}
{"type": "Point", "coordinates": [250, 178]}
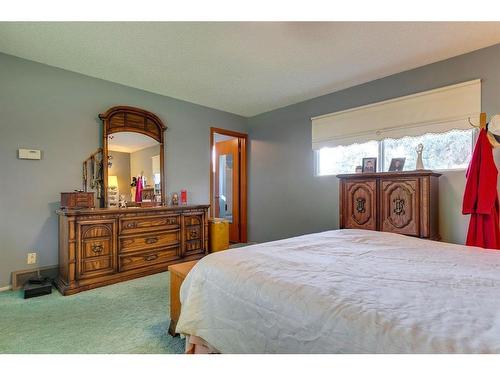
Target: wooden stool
{"type": "Point", "coordinates": [178, 273]}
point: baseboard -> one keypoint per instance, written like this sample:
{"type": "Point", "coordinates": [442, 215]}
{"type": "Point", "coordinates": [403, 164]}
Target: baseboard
{"type": "Point", "coordinates": [5, 288]}
{"type": "Point", "coordinates": [20, 277]}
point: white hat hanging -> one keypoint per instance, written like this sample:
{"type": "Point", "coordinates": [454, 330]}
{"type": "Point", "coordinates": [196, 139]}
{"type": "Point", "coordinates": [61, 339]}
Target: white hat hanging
{"type": "Point", "coordinates": [494, 131]}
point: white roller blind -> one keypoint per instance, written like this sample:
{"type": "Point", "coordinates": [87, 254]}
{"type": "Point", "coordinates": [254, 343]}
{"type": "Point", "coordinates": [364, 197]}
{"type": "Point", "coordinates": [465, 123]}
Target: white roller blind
{"type": "Point", "coordinates": [433, 111]}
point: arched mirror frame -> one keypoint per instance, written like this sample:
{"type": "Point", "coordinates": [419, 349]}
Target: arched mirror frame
{"type": "Point", "coordinates": [131, 119]}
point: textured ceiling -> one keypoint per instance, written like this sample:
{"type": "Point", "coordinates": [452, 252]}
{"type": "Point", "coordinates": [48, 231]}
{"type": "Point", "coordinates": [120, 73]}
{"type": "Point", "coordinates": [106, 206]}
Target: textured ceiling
{"type": "Point", "coordinates": [130, 142]}
{"type": "Point", "coordinates": [245, 68]}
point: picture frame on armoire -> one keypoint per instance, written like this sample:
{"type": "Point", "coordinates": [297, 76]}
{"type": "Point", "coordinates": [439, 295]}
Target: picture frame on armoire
{"type": "Point", "coordinates": [369, 165]}
{"type": "Point", "coordinates": [397, 164]}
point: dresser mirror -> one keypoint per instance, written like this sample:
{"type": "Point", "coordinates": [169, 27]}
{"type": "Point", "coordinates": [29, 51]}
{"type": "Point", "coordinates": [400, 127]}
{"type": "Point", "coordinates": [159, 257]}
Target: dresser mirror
{"type": "Point", "coordinates": [133, 171]}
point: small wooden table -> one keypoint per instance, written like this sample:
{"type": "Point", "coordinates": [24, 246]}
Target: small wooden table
{"type": "Point", "coordinates": [178, 273]}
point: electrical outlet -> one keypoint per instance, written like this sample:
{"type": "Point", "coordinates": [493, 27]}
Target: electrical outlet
{"type": "Point", "coordinates": [31, 258]}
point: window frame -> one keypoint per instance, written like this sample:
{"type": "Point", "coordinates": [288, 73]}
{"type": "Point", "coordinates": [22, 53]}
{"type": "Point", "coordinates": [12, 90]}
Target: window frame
{"type": "Point", "coordinates": [381, 157]}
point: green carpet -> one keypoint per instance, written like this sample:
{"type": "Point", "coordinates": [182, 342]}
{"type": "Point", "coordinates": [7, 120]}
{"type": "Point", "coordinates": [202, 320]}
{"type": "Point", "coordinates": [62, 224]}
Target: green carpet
{"type": "Point", "coordinates": [129, 317]}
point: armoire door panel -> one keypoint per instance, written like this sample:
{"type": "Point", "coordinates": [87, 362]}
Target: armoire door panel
{"type": "Point", "coordinates": [400, 205]}
{"type": "Point", "coordinates": [361, 202]}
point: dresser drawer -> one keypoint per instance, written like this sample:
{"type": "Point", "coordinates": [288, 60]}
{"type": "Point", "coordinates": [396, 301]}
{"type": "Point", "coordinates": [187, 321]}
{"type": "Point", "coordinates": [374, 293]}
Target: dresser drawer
{"type": "Point", "coordinates": [149, 241]}
{"type": "Point", "coordinates": [193, 247]}
{"type": "Point", "coordinates": [96, 247]}
{"type": "Point", "coordinates": [96, 265]}
{"type": "Point", "coordinates": [193, 219]}
{"type": "Point", "coordinates": [192, 233]}
{"type": "Point", "coordinates": [129, 262]}
{"type": "Point", "coordinates": [148, 224]}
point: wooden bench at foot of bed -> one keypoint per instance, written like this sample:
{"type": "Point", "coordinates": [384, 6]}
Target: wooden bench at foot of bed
{"type": "Point", "coordinates": [178, 273]}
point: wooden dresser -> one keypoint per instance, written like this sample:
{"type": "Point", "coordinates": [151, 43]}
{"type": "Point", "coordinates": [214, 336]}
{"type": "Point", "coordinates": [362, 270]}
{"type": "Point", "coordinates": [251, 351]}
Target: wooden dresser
{"type": "Point", "coordinates": [104, 246]}
{"type": "Point", "coordinates": [397, 202]}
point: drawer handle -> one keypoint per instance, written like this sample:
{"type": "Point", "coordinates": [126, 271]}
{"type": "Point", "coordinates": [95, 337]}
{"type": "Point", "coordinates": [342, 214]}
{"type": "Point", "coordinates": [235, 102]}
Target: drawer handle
{"type": "Point", "coordinates": [360, 205]}
{"type": "Point", "coordinates": [149, 258]}
{"type": "Point", "coordinates": [151, 240]}
{"type": "Point", "coordinates": [97, 249]}
{"type": "Point", "coordinates": [399, 206]}
{"type": "Point", "coordinates": [171, 221]}
{"type": "Point", "coordinates": [131, 225]}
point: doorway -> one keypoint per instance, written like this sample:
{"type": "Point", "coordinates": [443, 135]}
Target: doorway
{"type": "Point", "coordinates": [228, 180]}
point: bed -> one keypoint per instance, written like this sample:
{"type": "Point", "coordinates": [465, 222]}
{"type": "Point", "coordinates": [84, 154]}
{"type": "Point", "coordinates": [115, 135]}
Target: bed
{"type": "Point", "coordinates": [344, 291]}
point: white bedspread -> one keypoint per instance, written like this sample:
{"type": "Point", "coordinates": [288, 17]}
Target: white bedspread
{"type": "Point", "coordinates": [346, 291]}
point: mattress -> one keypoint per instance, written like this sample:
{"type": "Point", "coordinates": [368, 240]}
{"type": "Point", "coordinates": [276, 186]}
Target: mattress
{"type": "Point", "coordinates": [345, 291]}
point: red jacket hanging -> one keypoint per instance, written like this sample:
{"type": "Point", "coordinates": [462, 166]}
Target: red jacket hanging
{"type": "Point", "coordinates": [481, 198]}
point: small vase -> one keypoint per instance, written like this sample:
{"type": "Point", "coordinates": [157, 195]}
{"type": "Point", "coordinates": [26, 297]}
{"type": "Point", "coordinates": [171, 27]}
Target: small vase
{"type": "Point", "coordinates": [420, 162]}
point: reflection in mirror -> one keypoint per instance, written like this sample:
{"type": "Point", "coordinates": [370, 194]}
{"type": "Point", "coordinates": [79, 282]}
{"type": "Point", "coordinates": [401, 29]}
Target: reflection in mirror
{"type": "Point", "coordinates": [226, 187]}
{"type": "Point", "coordinates": [133, 168]}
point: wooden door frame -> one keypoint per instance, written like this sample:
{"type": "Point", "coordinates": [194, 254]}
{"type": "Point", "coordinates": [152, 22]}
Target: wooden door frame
{"type": "Point", "coordinates": [243, 142]}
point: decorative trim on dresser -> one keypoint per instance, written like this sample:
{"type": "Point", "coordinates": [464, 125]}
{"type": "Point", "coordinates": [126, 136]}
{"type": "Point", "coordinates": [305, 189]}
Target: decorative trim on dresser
{"type": "Point", "coordinates": [104, 246]}
{"type": "Point", "coordinates": [397, 202]}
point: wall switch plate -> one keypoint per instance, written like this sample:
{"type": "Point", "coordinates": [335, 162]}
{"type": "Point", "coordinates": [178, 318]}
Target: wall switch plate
{"type": "Point", "coordinates": [30, 154]}
{"type": "Point", "coordinates": [31, 258]}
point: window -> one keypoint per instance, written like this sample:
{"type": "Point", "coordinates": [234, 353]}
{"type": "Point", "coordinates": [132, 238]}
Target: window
{"type": "Point", "coordinates": [343, 159]}
{"type": "Point", "coordinates": [451, 150]}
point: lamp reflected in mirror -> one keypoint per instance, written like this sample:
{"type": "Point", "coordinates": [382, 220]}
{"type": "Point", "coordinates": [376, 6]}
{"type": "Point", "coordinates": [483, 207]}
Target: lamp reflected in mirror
{"type": "Point", "coordinates": [113, 181]}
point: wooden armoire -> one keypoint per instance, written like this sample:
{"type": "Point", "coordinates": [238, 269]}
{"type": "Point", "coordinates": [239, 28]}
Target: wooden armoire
{"type": "Point", "coordinates": [397, 202]}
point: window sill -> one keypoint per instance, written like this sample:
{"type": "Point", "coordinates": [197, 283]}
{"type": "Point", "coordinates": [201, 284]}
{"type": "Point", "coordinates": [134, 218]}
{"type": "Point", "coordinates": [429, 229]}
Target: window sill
{"type": "Point", "coordinates": [434, 170]}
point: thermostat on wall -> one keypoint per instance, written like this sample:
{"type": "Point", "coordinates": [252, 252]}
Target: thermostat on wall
{"type": "Point", "coordinates": [30, 154]}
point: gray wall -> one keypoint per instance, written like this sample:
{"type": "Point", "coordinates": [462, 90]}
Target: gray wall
{"type": "Point", "coordinates": [120, 167]}
{"type": "Point", "coordinates": [286, 199]}
{"type": "Point", "coordinates": [56, 111]}
{"type": "Point", "coordinates": [140, 161]}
